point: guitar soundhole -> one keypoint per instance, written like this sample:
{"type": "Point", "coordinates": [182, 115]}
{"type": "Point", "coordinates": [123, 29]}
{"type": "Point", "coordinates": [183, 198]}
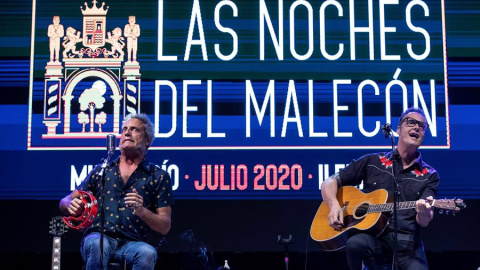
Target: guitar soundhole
{"type": "Point", "coordinates": [361, 210]}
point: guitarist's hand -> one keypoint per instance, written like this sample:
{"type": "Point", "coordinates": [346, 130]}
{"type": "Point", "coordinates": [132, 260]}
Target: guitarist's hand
{"type": "Point", "coordinates": [335, 217]}
{"type": "Point", "coordinates": [424, 211]}
{"type": "Point", "coordinates": [75, 207]}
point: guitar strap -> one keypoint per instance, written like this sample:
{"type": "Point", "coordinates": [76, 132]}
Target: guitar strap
{"type": "Point", "coordinates": [83, 221]}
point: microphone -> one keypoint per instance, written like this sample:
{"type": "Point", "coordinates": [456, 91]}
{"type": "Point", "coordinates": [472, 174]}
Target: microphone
{"type": "Point", "coordinates": [111, 142]}
{"type": "Point", "coordinates": [387, 128]}
{"type": "Point", "coordinates": [111, 149]}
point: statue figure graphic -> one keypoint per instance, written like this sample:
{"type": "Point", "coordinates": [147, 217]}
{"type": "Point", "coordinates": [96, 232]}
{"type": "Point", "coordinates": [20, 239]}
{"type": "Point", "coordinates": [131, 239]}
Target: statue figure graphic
{"type": "Point", "coordinates": [69, 41]}
{"type": "Point", "coordinates": [55, 33]}
{"type": "Point", "coordinates": [132, 32]}
{"type": "Point", "coordinates": [115, 38]}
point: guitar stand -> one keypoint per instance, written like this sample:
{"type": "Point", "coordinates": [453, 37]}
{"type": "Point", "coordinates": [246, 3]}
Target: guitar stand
{"type": "Point", "coordinates": [285, 242]}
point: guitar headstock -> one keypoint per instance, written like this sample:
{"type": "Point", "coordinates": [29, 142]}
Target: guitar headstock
{"type": "Point", "coordinates": [57, 226]}
{"type": "Point", "coordinates": [450, 205]}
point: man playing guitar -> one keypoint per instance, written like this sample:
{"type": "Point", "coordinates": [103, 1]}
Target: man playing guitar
{"type": "Point", "coordinates": [416, 181]}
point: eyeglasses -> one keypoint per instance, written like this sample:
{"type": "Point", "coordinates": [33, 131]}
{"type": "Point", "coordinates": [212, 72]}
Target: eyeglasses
{"type": "Point", "coordinates": [410, 122]}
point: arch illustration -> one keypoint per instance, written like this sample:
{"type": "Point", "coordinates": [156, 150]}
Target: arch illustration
{"type": "Point", "coordinates": [92, 73]}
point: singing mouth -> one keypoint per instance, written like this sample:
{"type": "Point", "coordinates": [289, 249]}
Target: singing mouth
{"type": "Point", "coordinates": [414, 135]}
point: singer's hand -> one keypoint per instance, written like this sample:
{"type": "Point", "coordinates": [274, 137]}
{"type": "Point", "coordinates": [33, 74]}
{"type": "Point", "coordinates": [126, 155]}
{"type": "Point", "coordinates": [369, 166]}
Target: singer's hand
{"type": "Point", "coordinates": [134, 200]}
{"type": "Point", "coordinates": [335, 217]}
{"type": "Point", "coordinates": [424, 211]}
{"type": "Point", "coordinates": [75, 207]}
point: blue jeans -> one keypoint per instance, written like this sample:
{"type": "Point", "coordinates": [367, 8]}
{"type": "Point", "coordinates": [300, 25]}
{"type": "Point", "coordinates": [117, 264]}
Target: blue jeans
{"type": "Point", "coordinates": [138, 255]}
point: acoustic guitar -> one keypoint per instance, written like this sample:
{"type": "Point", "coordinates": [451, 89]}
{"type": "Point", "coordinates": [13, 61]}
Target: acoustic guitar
{"type": "Point", "coordinates": [364, 212]}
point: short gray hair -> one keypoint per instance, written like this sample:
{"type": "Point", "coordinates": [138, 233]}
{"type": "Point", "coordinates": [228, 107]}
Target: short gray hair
{"type": "Point", "coordinates": [146, 120]}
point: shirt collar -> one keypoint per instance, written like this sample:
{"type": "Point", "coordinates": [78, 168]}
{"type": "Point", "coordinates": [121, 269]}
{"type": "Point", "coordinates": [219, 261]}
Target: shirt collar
{"type": "Point", "coordinates": [144, 165]}
{"type": "Point", "coordinates": [418, 161]}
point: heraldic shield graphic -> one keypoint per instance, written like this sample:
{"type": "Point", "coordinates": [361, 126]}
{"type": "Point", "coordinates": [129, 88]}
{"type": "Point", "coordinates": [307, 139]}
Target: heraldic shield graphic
{"type": "Point", "coordinates": [91, 81]}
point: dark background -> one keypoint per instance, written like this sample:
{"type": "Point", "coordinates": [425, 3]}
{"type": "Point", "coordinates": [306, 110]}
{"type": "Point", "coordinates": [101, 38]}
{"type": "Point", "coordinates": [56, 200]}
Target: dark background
{"type": "Point", "coordinates": [243, 232]}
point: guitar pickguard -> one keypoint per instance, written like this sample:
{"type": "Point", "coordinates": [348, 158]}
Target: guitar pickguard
{"type": "Point", "coordinates": [350, 221]}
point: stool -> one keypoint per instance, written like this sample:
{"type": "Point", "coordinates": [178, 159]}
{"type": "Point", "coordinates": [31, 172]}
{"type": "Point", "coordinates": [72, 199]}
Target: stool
{"type": "Point", "coordinates": [380, 267]}
{"type": "Point", "coordinates": [115, 266]}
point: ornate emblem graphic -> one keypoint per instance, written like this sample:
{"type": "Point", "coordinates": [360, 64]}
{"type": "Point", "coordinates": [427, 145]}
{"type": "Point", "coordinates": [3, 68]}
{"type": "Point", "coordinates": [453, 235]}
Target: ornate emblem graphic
{"type": "Point", "coordinates": [94, 23]}
{"type": "Point", "coordinates": [89, 87]}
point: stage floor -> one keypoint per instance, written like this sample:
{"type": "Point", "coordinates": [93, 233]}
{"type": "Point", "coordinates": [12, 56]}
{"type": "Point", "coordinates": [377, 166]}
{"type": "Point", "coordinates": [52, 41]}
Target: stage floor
{"type": "Point", "coordinates": [461, 260]}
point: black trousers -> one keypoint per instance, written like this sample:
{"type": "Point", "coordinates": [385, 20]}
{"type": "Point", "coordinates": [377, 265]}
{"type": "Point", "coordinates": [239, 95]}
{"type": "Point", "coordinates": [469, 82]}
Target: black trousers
{"type": "Point", "coordinates": [364, 250]}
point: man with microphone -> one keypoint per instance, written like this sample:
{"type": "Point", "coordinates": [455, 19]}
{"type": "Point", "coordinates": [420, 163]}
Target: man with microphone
{"type": "Point", "coordinates": [415, 181]}
{"type": "Point", "coordinates": [138, 198]}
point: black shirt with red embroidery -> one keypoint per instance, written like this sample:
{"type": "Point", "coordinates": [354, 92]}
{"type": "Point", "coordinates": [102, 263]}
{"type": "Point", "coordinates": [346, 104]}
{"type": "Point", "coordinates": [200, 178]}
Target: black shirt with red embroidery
{"type": "Point", "coordinates": [150, 181]}
{"type": "Point", "coordinates": [418, 181]}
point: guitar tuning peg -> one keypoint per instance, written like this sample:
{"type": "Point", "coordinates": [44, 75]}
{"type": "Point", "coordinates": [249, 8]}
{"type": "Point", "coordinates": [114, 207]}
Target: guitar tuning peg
{"type": "Point", "coordinates": [440, 211]}
{"type": "Point", "coordinates": [447, 212]}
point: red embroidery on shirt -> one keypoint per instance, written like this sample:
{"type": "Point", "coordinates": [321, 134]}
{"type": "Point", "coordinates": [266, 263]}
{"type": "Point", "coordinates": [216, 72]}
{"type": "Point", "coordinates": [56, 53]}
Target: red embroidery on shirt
{"type": "Point", "coordinates": [420, 173]}
{"type": "Point", "coordinates": [386, 162]}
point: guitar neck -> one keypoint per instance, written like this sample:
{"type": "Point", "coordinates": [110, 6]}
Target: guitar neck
{"type": "Point", "coordinates": [387, 207]}
{"type": "Point", "coordinates": [57, 242]}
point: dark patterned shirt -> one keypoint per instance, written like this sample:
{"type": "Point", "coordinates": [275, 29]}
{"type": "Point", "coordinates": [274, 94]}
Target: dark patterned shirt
{"type": "Point", "coordinates": [415, 182]}
{"type": "Point", "coordinates": [150, 181]}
